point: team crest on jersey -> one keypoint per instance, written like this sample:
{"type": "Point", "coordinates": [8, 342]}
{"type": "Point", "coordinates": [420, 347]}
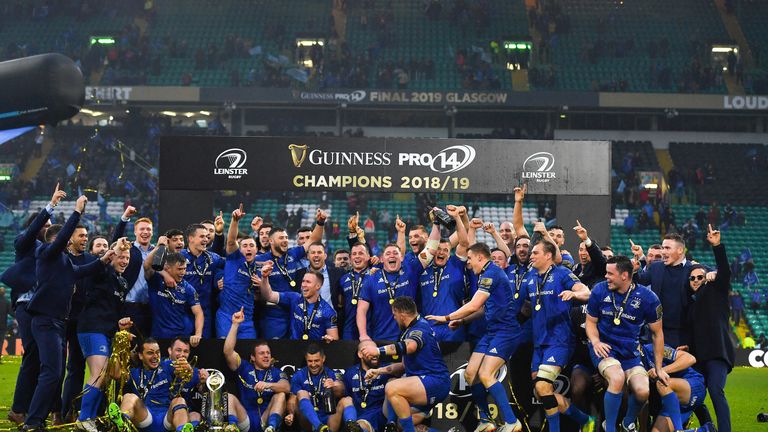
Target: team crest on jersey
{"type": "Point", "coordinates": [572, 276]}
{"type": "Point", "coordinates": [485, 282]}
{"type": "Point", "coordinates": [635, 303]}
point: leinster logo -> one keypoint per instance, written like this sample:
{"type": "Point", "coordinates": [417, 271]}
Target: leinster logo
{"type": "Point", "coordinates": [298, 154]}
{"type": "Point", "coordinates": [538, 167]}
{"type": "Point", "coordinates": [230, 163]}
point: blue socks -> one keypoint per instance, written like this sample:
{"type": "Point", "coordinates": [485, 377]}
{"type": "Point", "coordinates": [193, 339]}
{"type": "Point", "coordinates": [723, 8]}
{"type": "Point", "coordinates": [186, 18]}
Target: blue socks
{"type": "Point", "coordinates": [391, 416]}
{"type": "Point", "coordinates": [480, 397]}
{"type": "Point", "coordinates": [195, 423]}
{"type": "Point", "coordinates": [611, 405]}
{"type": "Point", "coordinates": [89, 405]}
{"type": "Point", "coordinates": [554, 422]}
{"type": "Point", "coordinates": [633, 407]}
{"type": "Point", "coordinates": [232, 419]}
{"type": "Point", "coordinates": [670, 407]}
{"type": "Point", "coordinates": [308, 410]}
{"type": "Point", "coordinates": [407, 424]}
{"type": "Point", "coordinates": [350, 413]}
{"type": "Point", "coordinates": [577, 415]}
{"type": "Point", "coordinates": [274, 420]}
{"type": "Point", "coordinates": [499, 394]}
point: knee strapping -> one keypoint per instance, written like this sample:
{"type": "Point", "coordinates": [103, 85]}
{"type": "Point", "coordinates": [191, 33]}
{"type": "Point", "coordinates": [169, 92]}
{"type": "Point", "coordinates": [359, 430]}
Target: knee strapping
{"type": "Point", "coordinates": [605, 364]}
{"type": "Point", "coordinates": [637, 370]}
{"type": "Point", "coordinates": [244, 425]}
{"type": "Point", "coordinates": [547, 373]}
{"type": "Point", "coordinates": [147, 422]}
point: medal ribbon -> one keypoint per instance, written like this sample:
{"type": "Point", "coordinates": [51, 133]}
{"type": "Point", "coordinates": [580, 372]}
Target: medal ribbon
{"type": "Point", "coordinates": [539, 285]}
{"type": "Point", "coordinates": [437, 277]}
{"type": "Point", "coordinates": [620, 309]}
{"type": "Point", "coordinates": [308, 323]}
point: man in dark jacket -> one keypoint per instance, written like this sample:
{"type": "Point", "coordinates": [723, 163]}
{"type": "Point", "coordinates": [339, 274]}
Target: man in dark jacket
{"type": "Point", "coordinates": [591, 267]}
{"type": "Point", "coordinates": [20, 277]}
{"type": "Point", "coordinates": [709, 329]}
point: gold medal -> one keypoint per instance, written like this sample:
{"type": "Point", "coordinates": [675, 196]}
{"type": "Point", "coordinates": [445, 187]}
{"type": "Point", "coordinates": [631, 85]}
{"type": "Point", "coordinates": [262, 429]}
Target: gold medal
{"type": "Point", "coordinates": [391, 301]}
{"type": "Point", "coordinates": [616, 321]}
{"type": "Point", "coordinates": [395, 357]}
{"type": "Point", "coordinates": [317, 408]}
{"type": "Point", "coordinates": [259, 401]}
{"type": "Point", "coordinates": [434, 293]}
{"type": "Point", "coordinates": [305, 337]}
{"type": "Point", "coordinates": [517, 295]}
{"type": "Point", "coordinates": [292, 283]}
{"type": "Point", "coordinates": [538, 307]}
{"type": "Point", "coordinates": [363, 404]}
{"type": "Point", "coordinates": [354, 301]}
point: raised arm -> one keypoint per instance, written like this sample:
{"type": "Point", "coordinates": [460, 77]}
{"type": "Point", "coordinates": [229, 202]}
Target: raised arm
{"type": "Point", "coordinates": [595, 254]}
{"type": "Point", "coordinates": [517, 213]}
{"type": "Point", "coordinates": [148, 270]}
{"type": "Point", "coordinates": [431, 247]}
{"type": "Point", "coordinates": [400, 228]}
{"type": "Point", "coordinates": [721, 259]}
{"type": "Point", "coordinates": [237, 214]}
{"type": "Point", "coordinates": [500, 243]}
{"type": "Point", "coordinates": [474, 225]}
{"type": "Point", "coordinates": [218, 235]}
{"type": "Point", "coordinates": [62, 238]}
{"type": "Point", "coordinates": [317, 232]}
{"type": "Point", "coordinates": [266, 290]}
{"type": "Point", "coordinates": [26, 241]}
{"type": "Point", "coordinates": [230, 355]}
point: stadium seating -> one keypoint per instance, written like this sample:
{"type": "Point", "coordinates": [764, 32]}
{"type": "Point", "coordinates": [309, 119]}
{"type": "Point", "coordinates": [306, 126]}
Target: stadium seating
{"type": "Point", "coordinates": [739, 180]}
{"type": "Point", "coordinates": [641, 23]}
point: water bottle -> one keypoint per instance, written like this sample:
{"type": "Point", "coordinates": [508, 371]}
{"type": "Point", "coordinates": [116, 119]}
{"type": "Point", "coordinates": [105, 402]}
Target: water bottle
{"type": "Point", "coordinates": [328, 401]}
{"type": "Point", "coordinates": [158, 262]}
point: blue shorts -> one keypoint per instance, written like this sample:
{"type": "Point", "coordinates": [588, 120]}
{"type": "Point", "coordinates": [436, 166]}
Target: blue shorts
{"type": "Point", "coordinates": [626, 363]}
{"type": "Point", "coordinates": [698, 394]}
{"type": "Point", "coordinates": [437, 389]}
{"type": "Point", "coordinates": [551, 355]}
{"type": "Point", "coordinates": [374, 417]}
{"type": "Point", "coordinates": [255, 419]}
{"type": "Point", "coordinates": [94, 344]}
{"type": "Point", "coordinates": [158, 417]}
{"type": "Point", "coordinates": [500, 344]}
{"type": "Point", "coordinates": [246, 330]}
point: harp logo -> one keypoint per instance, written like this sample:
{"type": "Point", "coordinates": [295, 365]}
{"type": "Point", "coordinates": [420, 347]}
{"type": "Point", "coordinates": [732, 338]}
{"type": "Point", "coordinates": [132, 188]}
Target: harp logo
{"type": "Point", "coordinates": [298, 154]}
{"type": "Point", "coordinates": [231, 162]}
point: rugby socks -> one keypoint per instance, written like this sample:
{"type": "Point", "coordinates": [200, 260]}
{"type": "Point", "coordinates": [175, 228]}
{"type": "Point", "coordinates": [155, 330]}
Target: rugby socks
{"type": "Point", "coordinates": [274, 420]}
{"type": "Point", "coordinates": [554, 422]}
{"type": "Point", "coordinates": [633, 407]}
{"type": "Point", "coordinates": [196, 423]}
{"type": "Point", "coordinates": [611, 405]}
{"type": "Point", "coordinates": [350, 413]}
{"type": "Point", "coordinates": [499, 394]}
{"type": "Point", "coordinates": [391, 416]}
{"type": "Point", "coordinates": [90, 402]}
{"type": "Point", "coordinates": [480, 397]}
{"type": "Point", "coordinates": [670, 407]}
{"type": "Point", "coordinates": [407, 424]}
{"type": "Point", "coordinates": [577, 415]}
{"type": "Point", "coordinates": [308, 410]}
{"type": "Point", "coordinates": [231, 419]}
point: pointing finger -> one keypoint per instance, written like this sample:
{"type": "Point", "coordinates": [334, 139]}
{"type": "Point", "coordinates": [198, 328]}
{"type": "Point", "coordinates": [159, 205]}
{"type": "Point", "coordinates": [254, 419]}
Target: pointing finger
{"type": "Point", "coordinates": [631, 243]}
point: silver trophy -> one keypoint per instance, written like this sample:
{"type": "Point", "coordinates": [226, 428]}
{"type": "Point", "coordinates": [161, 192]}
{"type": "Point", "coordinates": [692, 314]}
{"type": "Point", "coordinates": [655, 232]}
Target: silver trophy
{"type": "Point", "coordinates": [215, 407]}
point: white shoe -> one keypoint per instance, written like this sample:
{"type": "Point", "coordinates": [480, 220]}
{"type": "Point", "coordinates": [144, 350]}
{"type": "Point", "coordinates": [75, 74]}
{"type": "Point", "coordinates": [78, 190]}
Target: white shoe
{"type": "Point", "coordinates": [511, 427]}
{"type": "Point", "coordinates": [485, 425]}
{"type": "Point", "coordinates": [87, 425]}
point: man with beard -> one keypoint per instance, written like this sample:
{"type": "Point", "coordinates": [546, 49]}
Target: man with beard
{"type": "Point", "coordinates": [363, 405]}
{"type": "Point", "coordinates": [558, 235]}
{"type": "Point", "coordinates": [504, 336]}
{"type": "Point", "coordinates": [171, 300]}
{"type": "Point", "coordinates": [417, 239]}
{"type": "Point", "coordinates": [307, 387]}
{"type": "Point", "coordinates": [20, 277]}
{"type": "Point", "coordinates": [351, 287]}
{"type": "Point", "coordinates": [241, 275]}
{"type": "Point", "coordinates": [507, 233]}
{"type": "Point", "coordinates": [98, 245]}
{"type": "Point", "coordinates": [175, 240]}
{"type": "Point", "coordinates": [550, 289]}
{"type": "Point", "coordinates": [341, 260]}
{"type": "Point", "coordinates": [591, 267]}
{"type": "Point", "coordinates": [617, 310]}
{"type": "Point", "coordinates": [441, 284]}
{"type": "Point", "coordinates": [260, 233]}
{"type": "Point", "coordinates": [103, 314]}
{"type": "Point", "coordinates": [202, 266]}
{"type": "Point", "coordinates": [425, 380]}
{"type": "Point", "coordinates": [263, 387]}
{"type": "Point", "coordinates": [709, 328]}
{"type": "Point", "coordinates": [137, 300]}
{"type": "Point", "coordinates": [287, 262]}
{"type": "Point", "coordinates": [312, 318]}
{"type": "Point", "coordinates": [330, 291]}
{"type": "Point", "coordinates": [399, 277]}
{"type": "Point", "coordinates": [149, 404]}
